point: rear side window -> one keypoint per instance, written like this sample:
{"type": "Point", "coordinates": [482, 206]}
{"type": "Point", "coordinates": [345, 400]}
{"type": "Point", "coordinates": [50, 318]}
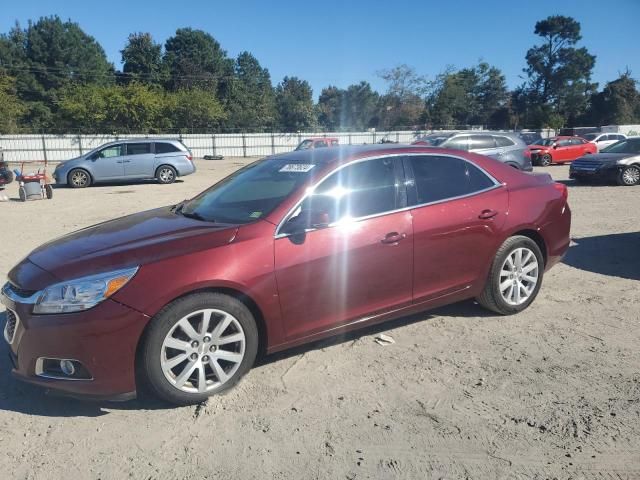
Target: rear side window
{"type": "Point", "coordinates": [577, 141]}
{"type": "Point", "coordinates": [138, 148]}
{"type": "Point", "coordinates": [503, 142]}
{"type": "Point", "coordinates": [458, 143]}
{"type": "Point", "coordinates": [479, 142]}
{"type": "Point", "coordinates": [166, 148]}
{"type": "Point", "coordinates": [439, 178]}
{"type": "Point", "coordinates": [320, 144]}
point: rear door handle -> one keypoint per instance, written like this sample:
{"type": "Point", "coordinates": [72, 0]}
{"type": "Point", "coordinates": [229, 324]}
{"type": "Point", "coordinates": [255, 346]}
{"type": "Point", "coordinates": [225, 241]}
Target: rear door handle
{"type": "Point", "coordinates": [393, 237]}
{"type": "Point", "coordinates": [486, 214]}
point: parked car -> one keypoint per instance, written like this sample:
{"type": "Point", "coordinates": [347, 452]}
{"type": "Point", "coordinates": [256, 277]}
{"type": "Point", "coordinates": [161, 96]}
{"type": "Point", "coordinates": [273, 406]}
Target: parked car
{"type": "Point", "coordinates": [318, 142]}
{"type": "Point", "coordinates": [560, 150]}
{"type": "Point", "coordinates": [530, 138]}
{"type": "Point", "coordinates": [287, 250]}
{"type": "Point", "coordinates": [619, 162]}
{"type": "Point", "coordinates": [509, 148]}
{"type": "Point", "coordinates": [139, 159]}
{"type": "Point", "coordinates": [603, 140]}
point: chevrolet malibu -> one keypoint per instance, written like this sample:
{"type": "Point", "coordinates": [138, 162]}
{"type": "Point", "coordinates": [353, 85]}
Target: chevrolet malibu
{"type": "Point", "coordinates": [285, 251]}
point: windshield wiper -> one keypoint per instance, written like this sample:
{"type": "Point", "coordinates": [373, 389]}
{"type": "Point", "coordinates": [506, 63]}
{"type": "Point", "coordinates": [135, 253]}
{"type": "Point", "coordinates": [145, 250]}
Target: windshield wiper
{"type": "Point", "coordinates": [195, 215]}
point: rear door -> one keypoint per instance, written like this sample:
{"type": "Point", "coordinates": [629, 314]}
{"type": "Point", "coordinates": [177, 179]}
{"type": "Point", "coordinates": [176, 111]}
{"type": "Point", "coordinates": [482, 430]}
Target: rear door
{"type": "Point", "coordinates": [458, 212]}
{"type": "Point", "coordinates": [484, 145]}
{"type": "Point", "coordinates": [140, 160]}
{"type": "Point", "coordinates": [108, 163]}
{"type": "Point", "coordinates": [563, 150]}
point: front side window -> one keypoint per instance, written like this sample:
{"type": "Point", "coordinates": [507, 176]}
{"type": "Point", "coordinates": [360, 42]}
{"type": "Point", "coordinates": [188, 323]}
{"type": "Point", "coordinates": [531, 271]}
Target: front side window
{"type": "Point", "coordinates": [305, 145]}
{"type": "Point", "coordinates": [320, 144]}
{"type": "Point", "coordinates": [564, 143]}
{"type": "Point", "coordinates": [439, 178]}
{"type": "Point", "coordinates": [577, 141]}
{"type": "Point", "coordinates": [358, 190]}
{"type": "Point", "coordinates": [624, 146]}
{"type": "Point", "coordinates": [110, 152]}
{"type": "Point", "coordinates": [138, 148]}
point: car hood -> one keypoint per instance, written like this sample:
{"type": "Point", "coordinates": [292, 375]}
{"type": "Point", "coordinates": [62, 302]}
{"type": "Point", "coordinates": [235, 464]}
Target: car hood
{"type": "Point", "coordinates": [129, 241]}
{"type": "Point", "coordinates": [609, 157]}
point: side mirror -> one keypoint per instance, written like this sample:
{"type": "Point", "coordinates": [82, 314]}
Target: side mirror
{"type": "Point", "coordinates": [555, 145]}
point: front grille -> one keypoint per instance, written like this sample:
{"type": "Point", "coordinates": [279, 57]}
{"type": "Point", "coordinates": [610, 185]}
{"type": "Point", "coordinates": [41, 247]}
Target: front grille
{"type": "Point", "coordinates": [10, 326]}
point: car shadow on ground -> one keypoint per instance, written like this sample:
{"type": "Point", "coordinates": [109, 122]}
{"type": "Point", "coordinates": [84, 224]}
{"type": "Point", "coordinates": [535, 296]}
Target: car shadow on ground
{"type": "Point", "coordinates": [593, 183]}
{"type": "Point", "coordinates": [19, 397]}
{"type": "Point", "coordinates": [123, 183]}
{"type": "Point", "coordinates": [616, 255]}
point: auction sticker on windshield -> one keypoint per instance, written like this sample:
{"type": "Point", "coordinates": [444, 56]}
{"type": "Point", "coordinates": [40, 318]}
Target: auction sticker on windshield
{"type": "Point", "coordinates": [297, 167]}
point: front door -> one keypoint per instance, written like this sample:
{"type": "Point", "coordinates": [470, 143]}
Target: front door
{"type": "Point", "coordinates": [355, 258]}
{"type": "Point", "coordinates": [140, 160]}
{"type": "Point", "coordinates": [458, 210]}
{"type": "Point", "coordinates": [108, 163]}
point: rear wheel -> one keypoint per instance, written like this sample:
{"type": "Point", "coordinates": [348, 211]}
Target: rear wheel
{"type": "Point", "coordinates": [166, 174]}
{"type": "Point", "coordinates": [79, 178]}
{"type": "Point", "coordinates": [545, 160]}
{"type": "Point", "coordinates": [22, 193]}
{"type": "Point", "coordinates": [48, 191]}
{"type": "Point", "coordinates": [515, 276]}
{"type": "Point", "coordinates": [629, 176]}
{"type": "Point", "coordinates": [198, 346]}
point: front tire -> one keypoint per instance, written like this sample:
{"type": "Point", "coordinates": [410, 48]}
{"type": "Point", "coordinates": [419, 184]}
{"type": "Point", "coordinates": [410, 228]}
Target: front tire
{"type": "Point", "coordinates": [78, 178]}
{"type": "Point", "coordinates": [515, 276]}
{"type": "Point", "coordinates": [198, 346]}
{"type": "Point", "coordinates": [629, 176]}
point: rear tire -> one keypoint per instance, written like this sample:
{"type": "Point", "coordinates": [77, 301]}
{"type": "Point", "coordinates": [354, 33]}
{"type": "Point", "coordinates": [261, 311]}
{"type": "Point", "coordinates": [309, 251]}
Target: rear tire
{"type": "Point", "coordinates": [508, 289]}
{"type": "Point", "coordinates": [48, 191]}
{"type": "Point", "coordinates": [166, 174]}
{"type": "Point", "coordinates": [629, 176]}
{"type": "Point", "coordinates": [78, 178]}
{"type": "Point", "coordinates": [205, 365]}
{"type": "Point", "coordinates": [22, 193]}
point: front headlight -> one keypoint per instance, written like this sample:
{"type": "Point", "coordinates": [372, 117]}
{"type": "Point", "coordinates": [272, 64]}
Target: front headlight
{"type": "Point", "coordinates": [82, 293]}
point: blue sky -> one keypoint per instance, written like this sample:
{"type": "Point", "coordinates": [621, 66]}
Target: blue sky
{"type": "Point", "coordinates": [340, 43]}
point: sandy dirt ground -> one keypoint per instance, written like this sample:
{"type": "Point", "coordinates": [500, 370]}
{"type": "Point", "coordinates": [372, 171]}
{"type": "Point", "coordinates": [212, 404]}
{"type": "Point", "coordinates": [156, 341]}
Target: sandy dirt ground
{"type": "Point", "coordinates": [553, 392]}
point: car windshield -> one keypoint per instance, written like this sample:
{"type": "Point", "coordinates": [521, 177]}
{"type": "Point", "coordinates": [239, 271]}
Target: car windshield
{"type": "Point", "coordinates": [435, 139]}
{"type": "Point", "coordinates": [590, 136]}
{"type": "Point", "coordinates": [305, 145]}
{"type": "Point", "coordinates": [250, 193]}
{"type": "Point", "coordinates": [624, 146]}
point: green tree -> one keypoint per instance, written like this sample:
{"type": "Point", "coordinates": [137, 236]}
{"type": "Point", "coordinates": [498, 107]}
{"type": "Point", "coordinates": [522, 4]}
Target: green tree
{"type": "Point", "coordinates": [194, 59]}
{"type": "Point", "coordinates": [559, 73]}
{"type": "Point", "coordinates": [192, 109]}
{"type": "Point", "coordinates": [403, 104]}
{"type": "Point", "coordinates": [251, 100]}
{"type": "Point", "coordinates": [617, 104]}
{"type": "Point", "coordinates": [11, 109]}
{"type": "Point", "coordinates": [47, 57]}
{"type": "Point", "coordinates": [329, 108]}
{"type": "Point", "coordinates": [294, 101]}
{"type": "Point", "coordinates": [142, 59]}
{"type": "Point", "coordinates": [355, 108]}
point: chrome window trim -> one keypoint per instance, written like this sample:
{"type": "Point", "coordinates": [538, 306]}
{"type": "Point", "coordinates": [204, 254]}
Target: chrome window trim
{"type": "Point", "coordinates": [310, 190]}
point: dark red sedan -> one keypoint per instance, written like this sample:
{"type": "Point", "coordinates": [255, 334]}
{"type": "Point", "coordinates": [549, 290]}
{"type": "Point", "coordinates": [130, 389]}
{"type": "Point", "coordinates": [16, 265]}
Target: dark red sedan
{"type": "Point", "coordinates": [290, 249]}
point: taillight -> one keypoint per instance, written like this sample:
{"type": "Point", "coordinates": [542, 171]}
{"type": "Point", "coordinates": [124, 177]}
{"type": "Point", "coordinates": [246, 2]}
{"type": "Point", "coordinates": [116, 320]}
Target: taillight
{"type": "Point", "coordinates": [562, 188]}
{"type": "Point", "coordinates": [190, 158]}
{"type": "Point", "coordinates": [527, 154]}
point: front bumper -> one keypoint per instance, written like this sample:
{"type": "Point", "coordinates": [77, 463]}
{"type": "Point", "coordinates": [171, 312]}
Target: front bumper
{"type": "Point", "coordinates": [605, 171]}
{"type": "Point", "coordinates": [104, 339]}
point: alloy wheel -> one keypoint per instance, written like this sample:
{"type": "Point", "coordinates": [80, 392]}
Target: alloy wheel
{"type": "Point", "coordinates": [79, 178]}
{"type": "Point", "coordinates": [166, 175]}
{"type": "Point", "coordinates": [202, 351]}
{"type": "Point", "coordinates": [631, 176]}
{"type": "Point", "coordinates": [518, 276]}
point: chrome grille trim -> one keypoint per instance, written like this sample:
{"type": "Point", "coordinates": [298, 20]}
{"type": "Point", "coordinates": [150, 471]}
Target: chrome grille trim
{"type": "Point", "coordinates": [11, 326]}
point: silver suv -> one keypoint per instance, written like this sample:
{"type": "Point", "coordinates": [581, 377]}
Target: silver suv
{"type": "Point", "coordinates": [507, 147]}
{"type": "Point", "coordinates": [164, 160]}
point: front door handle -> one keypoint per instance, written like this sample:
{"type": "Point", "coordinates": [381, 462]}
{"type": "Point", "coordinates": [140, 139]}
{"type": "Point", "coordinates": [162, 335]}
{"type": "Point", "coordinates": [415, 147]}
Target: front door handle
{"type": "Point", "coordinates": [393, 238]}
{"type": "Point", "coordinates": [486, 214]}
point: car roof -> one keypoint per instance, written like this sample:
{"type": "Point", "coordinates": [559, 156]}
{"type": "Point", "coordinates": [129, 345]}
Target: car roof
{"type": "Point", "coordinates": [143, 140]}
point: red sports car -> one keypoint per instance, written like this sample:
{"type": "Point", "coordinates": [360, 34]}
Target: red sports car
{"type": "Point", "coordinates": [287, 250]}
{"type": "Point", "coordinates": [560, 150]}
